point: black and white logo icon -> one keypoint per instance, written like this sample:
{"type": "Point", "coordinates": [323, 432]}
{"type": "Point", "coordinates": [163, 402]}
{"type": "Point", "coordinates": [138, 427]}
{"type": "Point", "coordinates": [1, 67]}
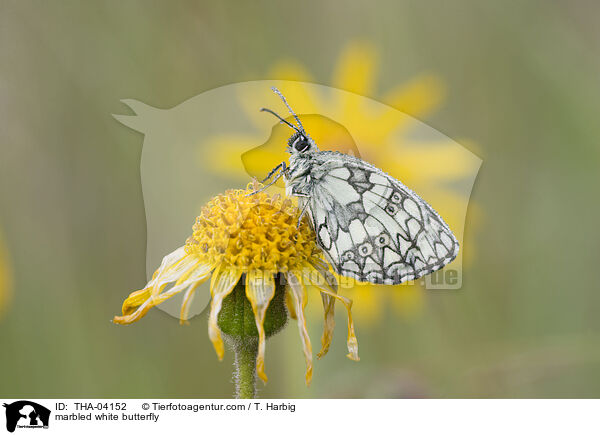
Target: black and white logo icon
{"type": "Point", "coordinates": [26, 414]}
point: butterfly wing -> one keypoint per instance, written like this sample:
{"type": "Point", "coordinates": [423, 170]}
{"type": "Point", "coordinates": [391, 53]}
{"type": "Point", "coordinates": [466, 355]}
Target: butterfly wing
{"type": "Point", "coordinates": [371, 226]}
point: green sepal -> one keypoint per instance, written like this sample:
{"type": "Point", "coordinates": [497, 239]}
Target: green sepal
{"type": "Point", "coordinates": [236, 318]}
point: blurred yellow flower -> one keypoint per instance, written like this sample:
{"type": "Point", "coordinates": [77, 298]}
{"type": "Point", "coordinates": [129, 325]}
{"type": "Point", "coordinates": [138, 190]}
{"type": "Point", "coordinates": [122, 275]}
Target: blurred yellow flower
{"type": "Point", "coordinates": [5, 278]}
{"type": "Point", "coordinates": [253, 240]}
{"type": "Point", "coordinates": [428, 166]}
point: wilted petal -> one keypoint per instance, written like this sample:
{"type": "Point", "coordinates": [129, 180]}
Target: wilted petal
{"type": "Point", "coordinates": [298, 292]}
{"type": "Point", "coordinates": [325, 287]}
{"type": "Point", "coordinates": [177, 272]}
{"type": "Point", "coordinates": [328, 302]}
{"type": "Point", "coordinates": [167, 262]}
{"type": "Point", "coordinates": [328, 324]}
{"type": "Point", "coordinates": [260, 289]}
{"type": "Point", "coordinates": [139, 302]}
{"type": "Point", "coordinates": [200, 274]}
{"type": "Point", "coordinates": [223, 282]}
{"type": "Point", "coordinates": [135, 315]}
{"type": "Point", "coordinates": [328, 312]}
{"type": "Point", "coordinates": [188, 297]}
{"type": "Point", "coordinates": [135, 300]}
{"type": "Point", "coordinates": [289, 304]}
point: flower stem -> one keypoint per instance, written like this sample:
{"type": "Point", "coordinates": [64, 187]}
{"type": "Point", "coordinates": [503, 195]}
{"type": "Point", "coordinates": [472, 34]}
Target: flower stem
{"type": "Point", "coordinates": [238, 325]}
{"type": "Point", "coordinates": [245, 369]}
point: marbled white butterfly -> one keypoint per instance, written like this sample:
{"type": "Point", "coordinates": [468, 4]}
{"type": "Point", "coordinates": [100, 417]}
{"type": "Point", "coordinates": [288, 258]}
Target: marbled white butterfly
{"type": "Point", "coordinates": [370, 226]}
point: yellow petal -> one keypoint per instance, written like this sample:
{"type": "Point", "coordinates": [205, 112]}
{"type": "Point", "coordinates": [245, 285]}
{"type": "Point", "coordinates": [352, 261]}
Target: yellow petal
{"type": "Point", "coordinates": [187, 302]}
{"type": "Point", "coordinates": [169, 261]}
{"type": "Point", "coordinates": [197, 277]}
{"type": "Point", "coordinates": [139, 302]}
{"type": "Point", "coordinates": [438, 161]}
{"type": "Point", "coordinates": [301, 97]}
{"type": "Point", "coordinates": [355, 72]}
{"type": "Point", "coordinates": [290, 69]}
{"type": "Point", "coordinates": [289, 304]}
{"type": "Point", "coordinates": [328, 306]}
{"type": "Point", "coordinates": [172, 267]}
{"type": "Point", "coordinates": [298, 293]}
{"type": "Point", "coordinates": [223, 282]}
{"type": "Point", "coordinates": [134, 300]}
{"type": "Point", "coordinates": [328, 324]}
{"type": "Point", "coordinates": [356, 68]}
{"type": "Point", "coordinates": [136, 315]}
{"type": "Point", "coordinates": [326, 288]}
{"type": "Point", "coordinates": [260, 289]}
{"type": "Point", "coordinates": [418, 97]}
{"type": "Point", "coordinates": [223, 154]}
{"type": "Point", "coordinates": [176, 272]}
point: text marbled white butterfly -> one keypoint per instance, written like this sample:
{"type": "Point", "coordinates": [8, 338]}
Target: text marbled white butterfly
{"type": "Point", "coordinates": [370, 226]}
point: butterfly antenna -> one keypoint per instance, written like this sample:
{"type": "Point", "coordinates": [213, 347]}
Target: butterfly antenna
{"type": "Point", "coordinates": [280, 118]}
{"type": "Point", "coordinates": [278, 92]}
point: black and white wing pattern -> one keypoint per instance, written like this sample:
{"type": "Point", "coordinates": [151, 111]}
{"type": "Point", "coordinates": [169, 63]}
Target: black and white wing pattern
{"type": "Point", "coordinates": [371, 226]}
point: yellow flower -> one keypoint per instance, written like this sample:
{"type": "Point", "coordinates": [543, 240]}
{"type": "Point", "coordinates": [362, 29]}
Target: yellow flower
{"type": "Point", "coordinates": [255, 239]}
{"type": "Point", "coordinates": [432, 166]}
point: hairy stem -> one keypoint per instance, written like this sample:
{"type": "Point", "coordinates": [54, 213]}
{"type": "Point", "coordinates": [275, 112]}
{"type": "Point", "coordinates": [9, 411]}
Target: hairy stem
{"type": "Point", "coordinates": [238, 325]}
{"type": "Point", "coordinates": [245, 369]}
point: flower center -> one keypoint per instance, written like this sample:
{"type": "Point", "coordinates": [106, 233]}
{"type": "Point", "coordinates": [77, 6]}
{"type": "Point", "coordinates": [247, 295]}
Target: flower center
{"type": "Point", "coordinates": [252, 232]}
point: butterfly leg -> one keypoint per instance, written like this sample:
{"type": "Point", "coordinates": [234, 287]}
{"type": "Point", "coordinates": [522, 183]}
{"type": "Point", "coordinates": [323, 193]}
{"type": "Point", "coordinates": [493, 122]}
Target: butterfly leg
{"type": "Point", "coordinates": [304, 209]}
{"type": "Point", "coordinates": [274, 180]}
{"type": "Point", "coordinates": [281, 166]}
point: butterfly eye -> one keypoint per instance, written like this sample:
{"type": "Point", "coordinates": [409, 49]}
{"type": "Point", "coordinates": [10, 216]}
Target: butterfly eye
{"type": "Point", "coordinates": [300, 144]}
{"type": "Point", "coordinates": [382, 240]}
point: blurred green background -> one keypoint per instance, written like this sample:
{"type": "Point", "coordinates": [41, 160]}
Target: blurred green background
{"type": "Point", "coordinates": [522, 82]}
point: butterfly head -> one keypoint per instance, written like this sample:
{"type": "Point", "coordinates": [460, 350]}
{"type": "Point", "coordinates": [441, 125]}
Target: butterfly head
{"type": "Point", "coordinates": [300, 142]}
